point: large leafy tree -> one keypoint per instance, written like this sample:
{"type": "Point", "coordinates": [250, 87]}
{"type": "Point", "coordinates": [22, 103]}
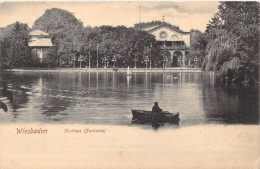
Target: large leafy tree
{"type": "Point", "coordinates": [14, 50]}
{"type": "Point", "coordinates": [233, 42]}
{"type": "Point", "coordinates": [198, 45]}
{"type": "Point", "coordinates": [126, 44]}
{"type": "Point", "coordinates": [65, 30]}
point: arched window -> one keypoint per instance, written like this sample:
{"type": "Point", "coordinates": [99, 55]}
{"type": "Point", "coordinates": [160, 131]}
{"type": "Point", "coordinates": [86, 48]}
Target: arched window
{"type": "Point", "coordinates": [163, 34]}
{"type": "Point", "coordinates": [174, 36]}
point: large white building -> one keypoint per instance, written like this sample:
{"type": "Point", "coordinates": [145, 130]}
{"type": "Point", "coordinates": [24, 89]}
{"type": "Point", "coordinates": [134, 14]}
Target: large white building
{"type": "Point", "coordinates": [174, 45]}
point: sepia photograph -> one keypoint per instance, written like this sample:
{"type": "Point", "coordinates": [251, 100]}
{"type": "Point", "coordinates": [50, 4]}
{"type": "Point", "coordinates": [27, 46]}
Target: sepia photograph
{"type": "Point", "coordinates": [129, 85]}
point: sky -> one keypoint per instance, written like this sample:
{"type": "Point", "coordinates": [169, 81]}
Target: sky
{"type": "Point", "coordinates": [186, 15]}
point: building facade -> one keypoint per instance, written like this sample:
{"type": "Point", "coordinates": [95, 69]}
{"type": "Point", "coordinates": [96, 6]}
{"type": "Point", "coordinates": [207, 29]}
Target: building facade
{"type": "Point", "coordinates": [40, 42]}
{"type": "Point", "coordinates": [174, 45]}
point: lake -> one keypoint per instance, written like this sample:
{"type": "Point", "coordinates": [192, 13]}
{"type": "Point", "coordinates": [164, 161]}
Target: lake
{"type": "Point", "coordinates": [108, 97]}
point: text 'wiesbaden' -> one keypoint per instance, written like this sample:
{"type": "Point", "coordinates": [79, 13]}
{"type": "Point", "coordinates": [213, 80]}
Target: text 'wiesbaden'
{"type": "Point", "coordinates": [31, 131]}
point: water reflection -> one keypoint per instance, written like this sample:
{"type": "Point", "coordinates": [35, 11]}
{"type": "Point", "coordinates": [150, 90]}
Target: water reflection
{"type": "Point", "coordinates": [107, 98]}
{"type": "Point", "coordinates": [128, 78]}
{"type": "Point", "coordinates": [154, 125]}
{"type": "Point", "coordinates": [238, 105]}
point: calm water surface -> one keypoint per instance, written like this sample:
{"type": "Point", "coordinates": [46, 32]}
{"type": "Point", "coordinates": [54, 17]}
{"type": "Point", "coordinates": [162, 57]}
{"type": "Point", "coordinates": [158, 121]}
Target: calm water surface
{"type": "Point", "coordinates": [107, 98]}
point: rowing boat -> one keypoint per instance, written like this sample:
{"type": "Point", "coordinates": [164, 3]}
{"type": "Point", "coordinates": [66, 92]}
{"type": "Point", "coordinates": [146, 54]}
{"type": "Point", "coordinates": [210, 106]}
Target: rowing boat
{"type": "Point", "coordinates": [149, 116]}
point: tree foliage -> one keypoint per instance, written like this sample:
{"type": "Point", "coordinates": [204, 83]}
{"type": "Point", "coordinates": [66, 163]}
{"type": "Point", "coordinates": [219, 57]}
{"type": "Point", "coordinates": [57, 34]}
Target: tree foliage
{"type": "Point", "coordinates": [71, 40]}
{"type": "Point", "coordinates": [198, 45]}
{"type": "Point", "coordinates": [126, 44]}
{"type": "Point", "coordinates": [144, 25]}
{"type": "Point", "coordinates": [65, 30]}
{"type": "Point", "coordinates": [233, 42]}
{"type": "Point", "coordinates": [14, 50]}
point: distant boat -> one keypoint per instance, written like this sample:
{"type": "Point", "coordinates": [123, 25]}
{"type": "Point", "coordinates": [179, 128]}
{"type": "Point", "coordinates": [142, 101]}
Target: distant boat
{"type": "Point", "coordinates": [172, 77]}
{"type": "Point", "coordinates": [128, 72]}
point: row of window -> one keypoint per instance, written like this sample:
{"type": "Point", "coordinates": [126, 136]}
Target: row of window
{"type": "Point", "coordinates": [171, 43]}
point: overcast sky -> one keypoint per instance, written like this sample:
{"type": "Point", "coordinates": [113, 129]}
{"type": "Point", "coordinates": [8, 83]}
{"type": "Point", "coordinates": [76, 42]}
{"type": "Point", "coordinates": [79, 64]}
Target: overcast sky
{"type": "Point", "coordinates": [186, 15]}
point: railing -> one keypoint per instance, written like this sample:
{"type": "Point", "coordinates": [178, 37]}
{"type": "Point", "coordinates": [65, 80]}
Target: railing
{"type": "Point", "coordinates": [171, 69]}
{"type": "Point", "coordinates": [174, 47]}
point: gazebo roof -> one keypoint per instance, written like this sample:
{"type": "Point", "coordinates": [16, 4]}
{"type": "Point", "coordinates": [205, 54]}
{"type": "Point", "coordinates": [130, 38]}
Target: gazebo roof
{"type": "Point", "coordinates": [38, 32]}
{"type": "Point", "coordinates": [44, 42]}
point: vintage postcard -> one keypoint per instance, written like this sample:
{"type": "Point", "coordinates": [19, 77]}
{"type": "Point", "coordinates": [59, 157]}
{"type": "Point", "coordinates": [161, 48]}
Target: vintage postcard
{"type": "Point", "coordinates": [129, 85]}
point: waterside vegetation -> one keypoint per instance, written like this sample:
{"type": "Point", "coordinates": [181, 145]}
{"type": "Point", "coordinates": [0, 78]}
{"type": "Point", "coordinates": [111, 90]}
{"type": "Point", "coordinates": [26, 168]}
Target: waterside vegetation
{"type": "Point", "coordinates": [230, 44]}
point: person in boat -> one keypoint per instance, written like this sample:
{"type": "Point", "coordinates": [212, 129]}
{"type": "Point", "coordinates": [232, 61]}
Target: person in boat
{"type": "Point", "coordinates": [156, 108]}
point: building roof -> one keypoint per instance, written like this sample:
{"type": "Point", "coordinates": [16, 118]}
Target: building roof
{"type": "Point", "coordinates": [38, 32]}
{"type": "Point", "coordinates": [150, 28]}
{"type": "Point", "coordinates": [44, 42]}
{"type": "Point", "coordinates": [154, 28]}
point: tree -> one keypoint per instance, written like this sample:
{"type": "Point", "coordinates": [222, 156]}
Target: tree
{"type": "Point", "coordinates": [126, 44]}
{"type": "Point", "coordinates": [65, 30]}
{"type": "Point", "coordinates": [233, 42]}
{"type": "Point", "coordinates": [14, 47]}
{"type": "Point", "coordinates": [198, 44]}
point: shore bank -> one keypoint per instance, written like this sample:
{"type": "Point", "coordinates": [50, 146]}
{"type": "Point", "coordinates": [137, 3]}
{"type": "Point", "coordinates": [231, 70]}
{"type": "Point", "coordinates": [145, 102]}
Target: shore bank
{"type": "Point", "coordinates": [177, 69]}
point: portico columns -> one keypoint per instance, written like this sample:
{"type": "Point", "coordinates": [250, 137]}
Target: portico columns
{"type": "Point", "coordinates": [171, 52]}
{"type": "Point", "coordinates": [183, 58]}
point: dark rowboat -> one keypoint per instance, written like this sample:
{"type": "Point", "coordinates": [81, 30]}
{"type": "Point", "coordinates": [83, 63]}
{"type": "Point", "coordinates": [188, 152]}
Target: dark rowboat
{"type": "Point", "coordinates": [148, 116]}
